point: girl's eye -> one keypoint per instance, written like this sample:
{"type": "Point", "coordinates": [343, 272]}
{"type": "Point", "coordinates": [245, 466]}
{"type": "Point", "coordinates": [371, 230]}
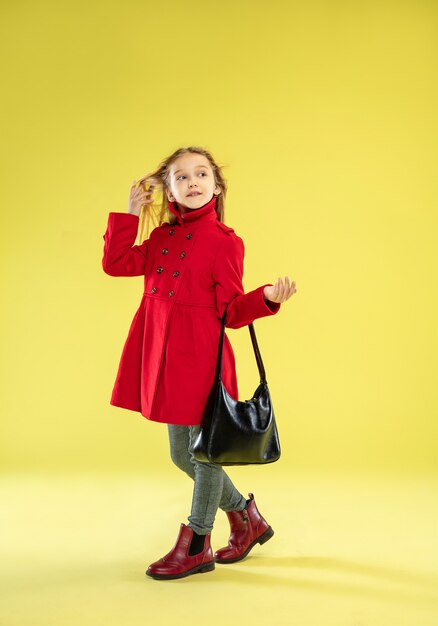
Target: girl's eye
{"type": "Point", "coordinates": [182, 175]}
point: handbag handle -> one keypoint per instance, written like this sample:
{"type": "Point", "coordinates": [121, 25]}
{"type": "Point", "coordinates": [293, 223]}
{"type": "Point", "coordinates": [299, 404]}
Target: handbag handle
{"type": "Point", "coordinates": [255, 346]}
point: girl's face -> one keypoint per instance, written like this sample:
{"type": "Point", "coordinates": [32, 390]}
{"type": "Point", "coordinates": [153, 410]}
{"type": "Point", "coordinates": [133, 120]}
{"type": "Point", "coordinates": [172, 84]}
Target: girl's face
{"type": "Point", "coordinates": [191, 181]}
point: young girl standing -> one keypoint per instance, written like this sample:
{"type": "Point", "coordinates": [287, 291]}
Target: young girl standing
{"type": "Point", "coordinates": [192, 265]}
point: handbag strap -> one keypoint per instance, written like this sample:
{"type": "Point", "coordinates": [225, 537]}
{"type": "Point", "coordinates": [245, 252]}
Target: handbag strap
{"type": "Point", "coordinates": [255, 346]}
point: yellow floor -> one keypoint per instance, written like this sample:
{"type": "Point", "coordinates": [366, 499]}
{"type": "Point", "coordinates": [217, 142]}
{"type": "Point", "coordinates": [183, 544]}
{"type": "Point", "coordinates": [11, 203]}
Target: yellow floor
{"type": "Point", "coordinates": [347, 551]}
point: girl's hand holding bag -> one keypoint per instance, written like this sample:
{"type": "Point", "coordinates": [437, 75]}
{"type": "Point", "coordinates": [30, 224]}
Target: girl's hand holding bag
{"type": "Point", "coordinates": [235, 432]}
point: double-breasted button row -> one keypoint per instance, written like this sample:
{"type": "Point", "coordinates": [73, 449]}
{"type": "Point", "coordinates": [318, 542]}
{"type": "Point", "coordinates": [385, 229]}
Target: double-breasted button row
{"type": "Point", "coordinates": [188, 236]}
{"type": "Point", "coordinates": [170, 293]}
{"type": "Point", "coordinates": [160, 269]}
{"type": "Point", "coordinates": [166, 250]}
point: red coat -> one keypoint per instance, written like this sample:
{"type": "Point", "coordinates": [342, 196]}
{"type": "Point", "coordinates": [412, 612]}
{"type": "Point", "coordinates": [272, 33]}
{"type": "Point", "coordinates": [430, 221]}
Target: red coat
{"type": "Point", "coordinates": [191, 270]}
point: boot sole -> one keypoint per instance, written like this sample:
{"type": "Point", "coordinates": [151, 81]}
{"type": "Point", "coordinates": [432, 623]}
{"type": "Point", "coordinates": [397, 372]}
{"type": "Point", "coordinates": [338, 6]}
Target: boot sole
{"type": "Point", "coordinates": [199, 569]}
{"type": "Point", "coordinates": [262, 539]}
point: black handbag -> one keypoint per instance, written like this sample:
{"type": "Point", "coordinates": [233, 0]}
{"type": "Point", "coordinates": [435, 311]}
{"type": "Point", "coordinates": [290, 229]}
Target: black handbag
{"type": "Point", "coordinates": [235, 432]}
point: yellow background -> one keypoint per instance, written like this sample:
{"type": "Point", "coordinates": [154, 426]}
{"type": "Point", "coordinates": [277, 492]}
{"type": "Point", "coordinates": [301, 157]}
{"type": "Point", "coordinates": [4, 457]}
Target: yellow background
{"type": "Point", "coordinates": [324, 115]}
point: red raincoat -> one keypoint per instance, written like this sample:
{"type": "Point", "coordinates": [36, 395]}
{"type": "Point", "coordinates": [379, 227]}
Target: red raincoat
{"type": "Point", "coordinates": [192, 270]}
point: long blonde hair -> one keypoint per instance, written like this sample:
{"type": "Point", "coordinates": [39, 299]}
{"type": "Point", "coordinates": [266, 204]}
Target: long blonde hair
{"type": "Point", "coordinates": [155, 213]}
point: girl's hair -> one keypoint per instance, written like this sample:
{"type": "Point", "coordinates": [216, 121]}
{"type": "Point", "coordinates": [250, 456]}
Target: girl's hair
{"type": "Point", "coordinates": [157, 211]}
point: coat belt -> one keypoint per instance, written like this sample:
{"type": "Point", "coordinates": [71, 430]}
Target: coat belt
{"type": "Point", "coordinates": [155, 297]}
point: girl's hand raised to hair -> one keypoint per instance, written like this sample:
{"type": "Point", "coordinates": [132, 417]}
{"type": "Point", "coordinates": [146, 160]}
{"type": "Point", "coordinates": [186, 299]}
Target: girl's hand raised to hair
{"type": "Point", "coordinates": [139, 196]}
{"type": "Point", "coordinates": [280, 292]}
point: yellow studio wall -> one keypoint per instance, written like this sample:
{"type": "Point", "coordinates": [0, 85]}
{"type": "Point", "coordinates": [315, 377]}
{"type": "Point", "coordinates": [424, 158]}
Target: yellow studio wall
{"type": "Point", "coordinates": [324, 115]}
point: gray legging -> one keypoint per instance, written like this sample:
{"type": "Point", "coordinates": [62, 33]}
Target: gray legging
{"type": "Point", "coordinates": [212, 488]}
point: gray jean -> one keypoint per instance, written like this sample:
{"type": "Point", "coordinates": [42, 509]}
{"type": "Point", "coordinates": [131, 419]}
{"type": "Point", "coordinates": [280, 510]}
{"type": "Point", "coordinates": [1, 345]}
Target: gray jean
{"type": "Point", "coordinates": [213, 489]}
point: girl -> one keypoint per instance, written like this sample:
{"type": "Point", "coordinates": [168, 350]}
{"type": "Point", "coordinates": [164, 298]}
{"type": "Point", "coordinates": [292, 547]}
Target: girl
{"type": "Point", "coordinates": [192, 266]}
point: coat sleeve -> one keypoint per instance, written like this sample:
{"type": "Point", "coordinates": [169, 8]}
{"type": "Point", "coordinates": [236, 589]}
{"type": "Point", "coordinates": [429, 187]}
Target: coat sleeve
{"type": "Point", "coordinates": [243, 308]}
{"type": "Point", "coordinates": [120, 256]}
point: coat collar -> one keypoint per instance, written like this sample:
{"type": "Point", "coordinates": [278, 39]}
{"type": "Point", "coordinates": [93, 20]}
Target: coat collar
{"type": "Point", "coordinates": [205, 213]}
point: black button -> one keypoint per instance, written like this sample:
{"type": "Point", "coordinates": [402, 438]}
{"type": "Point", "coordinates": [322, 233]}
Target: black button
{"type": "Point", "coordinates": [171, 293]}
{"type": "Point", "coordinates": [189, 236]}
{"type": "Point", "coordinates": [164, 251]}
{"type": "Point", "coordinates": [160, 269]}
{"type": "Point", "coordinates": [171, 231]}
{"type": "Point", "coordinates": [183, 254]}
{"type": "Point", "coordinates": [153, 290]}
{"type": "Point", "coordinates": [176, 273]}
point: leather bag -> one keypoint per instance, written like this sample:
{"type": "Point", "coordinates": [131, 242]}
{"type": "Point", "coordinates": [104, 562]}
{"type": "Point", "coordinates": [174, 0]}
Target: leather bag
{"type": "Point", "coordinates": [235, 432]}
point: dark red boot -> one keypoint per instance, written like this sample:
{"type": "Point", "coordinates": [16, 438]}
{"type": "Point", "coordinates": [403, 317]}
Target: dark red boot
{"type": "Point", "coordinates": [248, 527]}
{"type": "Point", "coordinates": [178, 563]}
